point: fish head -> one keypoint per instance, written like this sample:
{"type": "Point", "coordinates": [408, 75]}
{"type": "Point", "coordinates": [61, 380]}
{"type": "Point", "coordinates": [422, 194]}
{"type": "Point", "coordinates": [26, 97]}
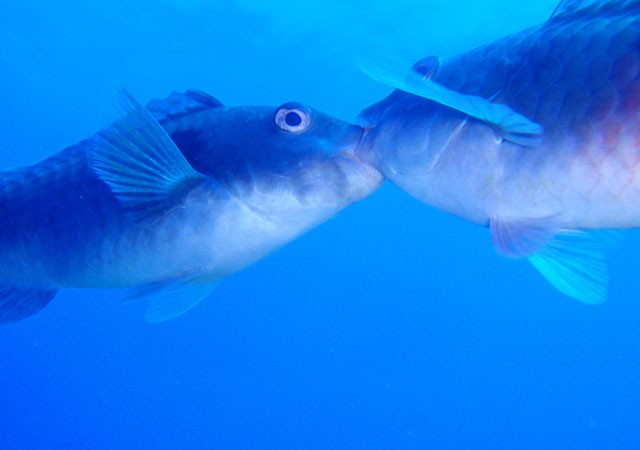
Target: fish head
{"type": "Point", "coordinates": [406, 136]}
{"type": "Point", "coordinates": [432, 152]}
{"type": "Point", "coordinates": [279, 159]}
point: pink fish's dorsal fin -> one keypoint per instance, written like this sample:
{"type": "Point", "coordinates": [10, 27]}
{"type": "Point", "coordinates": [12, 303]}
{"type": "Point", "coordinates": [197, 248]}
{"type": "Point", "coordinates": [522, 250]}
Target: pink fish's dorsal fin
{"type": "Point", "coordinates": [576, 9]}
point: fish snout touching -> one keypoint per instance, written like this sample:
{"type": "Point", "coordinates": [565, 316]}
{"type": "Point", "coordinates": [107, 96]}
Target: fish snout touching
{"type": "Point", "coordinates": [359, 153]}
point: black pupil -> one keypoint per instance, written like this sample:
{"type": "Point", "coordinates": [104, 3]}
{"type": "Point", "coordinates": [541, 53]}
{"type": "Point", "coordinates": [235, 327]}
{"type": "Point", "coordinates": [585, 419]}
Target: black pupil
{"type": "Point", "coordinates": [293, 119]}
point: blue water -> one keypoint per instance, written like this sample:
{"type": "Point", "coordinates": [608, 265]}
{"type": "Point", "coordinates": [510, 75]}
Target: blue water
{"type": "Point", "coordinates": [393, 326]}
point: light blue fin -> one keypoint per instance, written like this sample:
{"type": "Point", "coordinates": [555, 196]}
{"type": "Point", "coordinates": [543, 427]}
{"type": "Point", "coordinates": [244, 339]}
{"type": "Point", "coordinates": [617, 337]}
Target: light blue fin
{"type": "Point", "coordinates": [18, 304]}
{"type": "Point", "coordinates": [171, 299]}
{"type": "Point", "coordinates": [574, 262]}
{"type": "Point", "coordinates": [179, 104]}
{"type": "Point", "coordinates": [512, 126]}
{"type": "Point", "coordinates": [140, 163]}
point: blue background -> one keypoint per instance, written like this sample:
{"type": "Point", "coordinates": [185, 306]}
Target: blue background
{"type": "Point", "coordinates": [393, 326]}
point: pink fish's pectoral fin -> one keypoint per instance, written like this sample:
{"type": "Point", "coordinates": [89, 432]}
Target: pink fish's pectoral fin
{"type": "Point", "coordinates": [167, 300]}
{"type": "Point", "coordinates": [509, 124]}
{"type": "Point", "coordinates": [573, 261]}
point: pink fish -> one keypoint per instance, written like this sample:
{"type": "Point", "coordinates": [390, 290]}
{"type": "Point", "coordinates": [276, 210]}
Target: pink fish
{"type": "Point", "coordinates": [536, 136]}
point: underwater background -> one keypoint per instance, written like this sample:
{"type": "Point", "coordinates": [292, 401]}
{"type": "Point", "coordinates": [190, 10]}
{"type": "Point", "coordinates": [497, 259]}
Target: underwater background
{"type": "Point", "coordinates": [392, 326]}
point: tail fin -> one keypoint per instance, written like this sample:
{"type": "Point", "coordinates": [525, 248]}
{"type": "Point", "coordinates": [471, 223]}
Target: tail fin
{"type": "Point", "coordinates": [18, 304]}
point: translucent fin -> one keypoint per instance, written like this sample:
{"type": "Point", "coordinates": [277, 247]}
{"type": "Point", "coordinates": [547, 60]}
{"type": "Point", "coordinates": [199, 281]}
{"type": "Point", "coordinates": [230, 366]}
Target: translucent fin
{"type": "Point", "coordinates": [18, 304]}
{"type": "Point", "coordinates": [140, 163]}
{"type": "Point", "coordinates": [179, 104]}
{"type": "Point", "coordinates": [574, 262]}
{"type": "Point", "coordinates": [511, 125]}
{"type": "Point", "coordinates": [171, 299]}
{"type": "Point", "coordinates": [517, 238]}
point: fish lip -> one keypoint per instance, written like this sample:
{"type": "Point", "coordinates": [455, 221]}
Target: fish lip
{"type": "Point", "coordinates": [365, 132]}
{"type": "Point", "coordinates": [359, 148]}
{"type": "Point", "coordinates": [352, 154]}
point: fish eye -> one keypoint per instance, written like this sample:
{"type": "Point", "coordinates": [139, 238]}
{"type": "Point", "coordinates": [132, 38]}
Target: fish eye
{"type": "Point", "coordinates": [427, 67]}
{"type": "Point", "coordinates": [293, 118]}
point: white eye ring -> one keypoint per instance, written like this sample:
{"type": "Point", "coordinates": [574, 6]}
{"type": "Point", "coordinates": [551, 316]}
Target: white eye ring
{"type": "Point", "coordinates": [292, 119]}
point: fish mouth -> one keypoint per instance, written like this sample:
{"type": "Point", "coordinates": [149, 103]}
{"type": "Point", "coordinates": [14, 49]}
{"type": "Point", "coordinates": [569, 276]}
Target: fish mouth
{"type": "Point", "coordinates": [365, 131]}
{"type": "Point", "coordinates": [362, 150]}
{"type": "Point", "coordinates": [355, 152]}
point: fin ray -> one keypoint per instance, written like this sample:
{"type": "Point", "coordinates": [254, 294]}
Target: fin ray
{"type": "Point", "coordinates": [140, 163]}
{"type": "Point", "coordinates": [574, 262]}
{"type": "Point", "coordinates": [167, 300]}
{"type": "Point", "coordinates": [512, 126]}
{"type": "Point", "coordinates": [515, 238]}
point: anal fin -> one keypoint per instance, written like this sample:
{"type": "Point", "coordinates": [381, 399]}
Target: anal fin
{"type": "Point", "coordinates": [573, 261]}
{"type": "Point", "coordinates": [170, 299]}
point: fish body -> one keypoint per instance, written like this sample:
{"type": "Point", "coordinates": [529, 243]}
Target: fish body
{"type": "Point", "coordinates": [536, 135]}
{"type": "Point", "coordinates": [171, 199]}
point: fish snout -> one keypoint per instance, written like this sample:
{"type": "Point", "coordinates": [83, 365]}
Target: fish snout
{"type": "Point", "coordinates": [363, 151]}
{"type": "Point", "coordinates": [358, 154]}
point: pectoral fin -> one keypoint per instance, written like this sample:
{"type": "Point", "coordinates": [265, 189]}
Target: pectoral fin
{"type": "Point", "coordinates": [512, 126]}
{"type": "Point", "coordinates": [140, 163]}
{"type": "Point", "coordinates": [573, 261]}
{"type": "Point", "coordinates": [167, 300]}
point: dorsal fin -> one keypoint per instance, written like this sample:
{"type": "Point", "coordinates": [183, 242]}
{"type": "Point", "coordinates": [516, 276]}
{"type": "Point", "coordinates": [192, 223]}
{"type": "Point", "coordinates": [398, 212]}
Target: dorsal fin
{"type": "Point", "coordinates": [181, 103]}
{"type": "Point", "coordinates": [573, 9]}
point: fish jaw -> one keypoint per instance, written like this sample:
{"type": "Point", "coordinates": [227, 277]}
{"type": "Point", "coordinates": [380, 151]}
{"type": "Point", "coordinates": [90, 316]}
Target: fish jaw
{"type": "Point", "coordinates": [359, 167]}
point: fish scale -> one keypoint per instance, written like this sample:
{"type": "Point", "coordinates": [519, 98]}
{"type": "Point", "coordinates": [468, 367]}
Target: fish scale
{"type": "Point", "coordinates": [59, 194]}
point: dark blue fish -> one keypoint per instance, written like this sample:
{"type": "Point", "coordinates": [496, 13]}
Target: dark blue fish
{"type": "Point", "coordinates": [536, 136]}
{"type": "Point", "coordinates": [172, 198]}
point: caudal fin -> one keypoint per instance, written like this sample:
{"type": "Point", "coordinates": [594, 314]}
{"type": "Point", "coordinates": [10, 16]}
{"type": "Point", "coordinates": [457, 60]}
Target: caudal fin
{"type": "Point", "coordinates": [18, 304]}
